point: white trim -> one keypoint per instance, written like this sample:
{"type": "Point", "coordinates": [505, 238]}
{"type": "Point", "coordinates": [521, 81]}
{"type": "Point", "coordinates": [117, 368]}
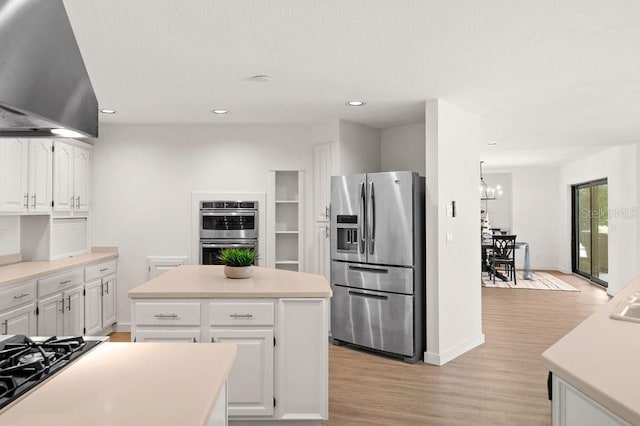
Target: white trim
{"type": "Point", "coordinates": [454, 352]}
{"type": "Point", "coordinates": [122, 327]}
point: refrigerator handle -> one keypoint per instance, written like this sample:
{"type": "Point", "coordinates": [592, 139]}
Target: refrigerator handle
{"type": "Point", "coordinates": [363, 203]}
{"type": "Point", "coordinates": [372, 220]}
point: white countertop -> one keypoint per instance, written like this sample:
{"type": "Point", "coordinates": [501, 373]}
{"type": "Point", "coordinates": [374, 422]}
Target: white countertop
{"type": "Point", "coordinates": [601, 358]}
{"type": "Point", "coordinates": [208, 281]}
{"type": "Point", "coordinates": [130, 384]}
{"type": "Point", "coordinates": [24, 271]}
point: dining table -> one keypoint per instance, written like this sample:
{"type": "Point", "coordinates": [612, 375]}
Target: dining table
{"type": "Point", "coordinates": [487, 244]}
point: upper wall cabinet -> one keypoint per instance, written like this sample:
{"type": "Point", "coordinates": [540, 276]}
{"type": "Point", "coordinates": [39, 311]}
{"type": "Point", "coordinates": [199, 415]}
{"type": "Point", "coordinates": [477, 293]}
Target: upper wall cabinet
{"type": "Point", "coordinates": [25, 175]}
{"type": "Point", "coordinates": [70, 178]}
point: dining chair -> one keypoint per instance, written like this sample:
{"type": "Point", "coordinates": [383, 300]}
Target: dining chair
{"type": "Point", "coordinates": [502, 260]}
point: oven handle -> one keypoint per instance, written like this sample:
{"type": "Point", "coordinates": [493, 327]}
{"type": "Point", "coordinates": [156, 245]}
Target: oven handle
{"type": "Point", "coordinates": [225, 245]}
{"type": "Point", "coordinates": [234, 213]}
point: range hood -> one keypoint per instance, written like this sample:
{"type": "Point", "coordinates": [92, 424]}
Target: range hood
{"type": "Point", "coordinates": [44, 84]}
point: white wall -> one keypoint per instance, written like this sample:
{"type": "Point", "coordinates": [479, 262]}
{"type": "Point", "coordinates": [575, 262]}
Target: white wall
{"type": "Point", "coordinates": [403, 148]}
{"type": "Point", "coordinates": [454, 305]}
{"type": "Point", "coordinates": [143, 177]}
{"type": "Point", "coordinates": [536, 208]}
{"type": "Point", "coordinates": [9, 235]}
{"type": "Point", "coordinates": [501, 210]}
{"type": "Point", "coordinates": [359, 148]}
{"type": "Point", "coordinates": [620, 166]}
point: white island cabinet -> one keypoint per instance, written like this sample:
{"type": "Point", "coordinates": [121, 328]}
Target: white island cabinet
{"type": "Point", "coordinates": [278, 321]}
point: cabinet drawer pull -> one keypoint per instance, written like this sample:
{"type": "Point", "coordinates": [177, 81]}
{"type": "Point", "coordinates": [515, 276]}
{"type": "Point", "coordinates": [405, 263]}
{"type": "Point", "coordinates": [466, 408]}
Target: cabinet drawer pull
{"type": "Point", "coordinates": [241, 315]}
{"type": "Point", "coordinates": [20, 296]}
{"type": "Point", "coordinates": [167, 316]}
{"type": "Point", "coordinates": [104, 269]}
{"type": "Point", "coordinates": [194, 340]}
{"type": "Point", "coordinates": [65, 282]}
{"type": "Point", "coordinates": [213, 340]}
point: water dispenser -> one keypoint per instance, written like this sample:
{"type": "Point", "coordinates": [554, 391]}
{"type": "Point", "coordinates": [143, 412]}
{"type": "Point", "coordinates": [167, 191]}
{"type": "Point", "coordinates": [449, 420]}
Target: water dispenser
{"type": "Point", "coordinates": [347, 233]}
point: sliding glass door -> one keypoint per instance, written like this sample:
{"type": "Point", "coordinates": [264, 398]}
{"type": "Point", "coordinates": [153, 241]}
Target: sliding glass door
{"type": "Point", "coordinates": [591, 231]}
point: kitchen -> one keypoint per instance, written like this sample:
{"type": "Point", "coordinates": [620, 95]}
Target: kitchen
{"type": "Point", "coordinates": [143, 176]}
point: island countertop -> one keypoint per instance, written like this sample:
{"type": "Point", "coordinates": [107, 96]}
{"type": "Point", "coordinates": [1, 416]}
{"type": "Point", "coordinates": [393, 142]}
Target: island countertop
{"type": "Point", "coordinates": [208, 281]}
{"type": "Point", "coordinates": [130, 384]}
{"type": "Point", "coordinates": [600, 358]}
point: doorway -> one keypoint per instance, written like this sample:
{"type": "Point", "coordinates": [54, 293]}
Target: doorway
{"type": "Point", "coordinates": [590, 231]}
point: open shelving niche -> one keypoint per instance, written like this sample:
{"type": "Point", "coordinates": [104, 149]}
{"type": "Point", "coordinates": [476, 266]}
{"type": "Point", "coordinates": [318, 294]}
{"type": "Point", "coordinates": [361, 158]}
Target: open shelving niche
{"type": "Point", "coordinates": [286, 210]}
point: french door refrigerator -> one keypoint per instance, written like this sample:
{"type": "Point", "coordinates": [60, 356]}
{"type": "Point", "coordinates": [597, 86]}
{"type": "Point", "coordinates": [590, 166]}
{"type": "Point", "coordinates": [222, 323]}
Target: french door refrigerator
{"type": "Point", "coordinates": [377, 262]}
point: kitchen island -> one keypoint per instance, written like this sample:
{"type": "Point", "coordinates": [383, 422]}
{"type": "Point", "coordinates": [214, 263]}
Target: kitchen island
{"type": "Point", "coordinates": [278, 319]}
{"type": "Point", "coordinates": [126, 384]}
{"type": "Point", "coordinates": [595, 369]}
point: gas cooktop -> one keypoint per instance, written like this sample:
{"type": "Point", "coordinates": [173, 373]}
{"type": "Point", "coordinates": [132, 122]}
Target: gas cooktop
{"type": "Point", "coordinates": [25, 362]}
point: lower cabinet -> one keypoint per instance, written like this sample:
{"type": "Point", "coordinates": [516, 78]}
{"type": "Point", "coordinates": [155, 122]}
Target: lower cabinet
{"type": "Point", "coordinates": [62, 314]}
{"type": "Point", "coordinates": [19, 321]}
{"type": "Point", "coordinates": [281, 369]}
{"type": "Point", "coordinates": [100, 304]}
{"type": "Point", "coordinates": [251, 377]}
{"type": "Point", "coordinates": [570, 407]}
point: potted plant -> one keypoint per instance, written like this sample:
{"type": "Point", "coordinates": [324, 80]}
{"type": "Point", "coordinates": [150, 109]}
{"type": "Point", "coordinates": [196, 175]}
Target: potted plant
{"type": "Point", "coordinates": [237, 262]}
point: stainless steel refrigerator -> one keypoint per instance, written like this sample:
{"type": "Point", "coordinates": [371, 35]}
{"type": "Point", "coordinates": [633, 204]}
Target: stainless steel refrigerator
{"type": "Point", "coordinates": [377, 262]}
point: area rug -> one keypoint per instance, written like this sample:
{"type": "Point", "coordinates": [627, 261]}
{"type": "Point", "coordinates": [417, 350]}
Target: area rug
{"type": "Point", "coordinates": [539, 281]}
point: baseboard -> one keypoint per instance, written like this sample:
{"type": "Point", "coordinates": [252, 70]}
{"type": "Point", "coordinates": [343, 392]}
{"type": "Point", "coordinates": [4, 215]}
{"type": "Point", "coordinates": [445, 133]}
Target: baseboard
{"type": "Point", "coordinates": [456, 351]}
{"type": "Point", "coordinates": [122, 327]}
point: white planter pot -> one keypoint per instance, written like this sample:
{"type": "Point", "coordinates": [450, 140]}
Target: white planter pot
{"type": "Point", "coordinates": [238, 271]}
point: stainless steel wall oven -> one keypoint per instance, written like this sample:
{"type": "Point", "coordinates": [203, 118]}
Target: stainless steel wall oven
{"type": "Point", "coordinates": [225, 224]}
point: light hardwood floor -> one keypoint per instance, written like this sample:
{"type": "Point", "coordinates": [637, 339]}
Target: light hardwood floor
{"type": "Point", "coordinates": [501, 382]}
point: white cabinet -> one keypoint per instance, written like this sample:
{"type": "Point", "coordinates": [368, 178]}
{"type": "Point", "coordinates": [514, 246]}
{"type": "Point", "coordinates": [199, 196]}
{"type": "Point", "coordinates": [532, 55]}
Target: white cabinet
{"type": "Point", "coordinates": [71, 166]}
{"type": "Point", "coordinates": [25, 175]}
{"type": "Point", "coordinates": [18, 309]}
{"type": "Point", "coordinates": [61, 304]}
{"type": "Point", "coordinates": [322, 171]}
{"type": "Point", "coordinates": [323, 253]}
{"type": "Point", "coordinates": [286, 239]}
{"type": "Point", "coordinates": [249, 325]}
{"type": "Point", "coordinates": [19, 321]}
{"type": "Point", "coordinates": [570, 407]}
{"type": "Point", "coordinates": [281, 370]}
{"type": "Point", "coordinates": [100, 297]}
{"type": "Point", "coordinates": [251, 377]}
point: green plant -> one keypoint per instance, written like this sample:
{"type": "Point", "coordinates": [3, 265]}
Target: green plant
{"type": "Point", "coordinates": [237, 256]}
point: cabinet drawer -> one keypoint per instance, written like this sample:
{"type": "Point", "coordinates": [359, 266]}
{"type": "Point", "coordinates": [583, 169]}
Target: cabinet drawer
{"type": "Point", "coordinates": [100, 270]}
{"type": "Point", "coordinates": [60, 282]}
{"type": "Point", "coordinates": [17, 295]}
{"type": "Point", "coordinates": [167, 313]}
{"type": "Point", "coordinates": [241, 313]}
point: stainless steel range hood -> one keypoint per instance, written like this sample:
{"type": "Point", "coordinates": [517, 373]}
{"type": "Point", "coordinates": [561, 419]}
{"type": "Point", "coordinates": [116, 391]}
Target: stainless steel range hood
{"type": "Point", "coordinates": [44, 84]}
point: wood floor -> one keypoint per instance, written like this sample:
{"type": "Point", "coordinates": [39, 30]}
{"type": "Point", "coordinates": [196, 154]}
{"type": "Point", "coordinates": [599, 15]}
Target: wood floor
{"type": "Point", "coordinates": [501, 382]}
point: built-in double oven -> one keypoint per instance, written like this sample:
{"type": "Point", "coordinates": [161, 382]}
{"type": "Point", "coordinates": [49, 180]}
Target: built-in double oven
{"type": "Point", "coordinates": [225, 224]}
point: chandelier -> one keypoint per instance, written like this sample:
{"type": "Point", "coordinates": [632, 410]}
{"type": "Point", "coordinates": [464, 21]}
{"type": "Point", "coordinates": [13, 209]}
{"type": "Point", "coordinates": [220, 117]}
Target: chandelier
{"type": "Point", "coordinates": [487, 192]}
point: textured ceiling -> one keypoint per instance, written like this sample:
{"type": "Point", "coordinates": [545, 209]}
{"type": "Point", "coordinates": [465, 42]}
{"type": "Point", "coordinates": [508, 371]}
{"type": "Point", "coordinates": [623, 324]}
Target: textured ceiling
{"type": "Point", "coordinates": [561, 77]}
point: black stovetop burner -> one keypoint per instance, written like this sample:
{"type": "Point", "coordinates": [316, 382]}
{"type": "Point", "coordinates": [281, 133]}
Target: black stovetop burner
{"type": "Point", "coordinates": [24, 363]}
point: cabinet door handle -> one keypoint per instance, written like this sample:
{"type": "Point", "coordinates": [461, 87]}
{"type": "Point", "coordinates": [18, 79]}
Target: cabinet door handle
{"type": "Point", "coordinates": [167, 316]}
{"type": "Point", "coordinates": [327, 212]}
{"type": "Point", "coordinates": [26, 200]}
{"type": "Point", "coordinates": [135, 339]}
{"type": "Point", "coordinates": [65, 282]}
{"type": "Point", "coordinates": [20, 296]}
{"type": "Point", "coordinates": [62, 305]}
{"type": "Point", "coordinates": [6, 326]}
{"type": "Point", "coordinates": [69, 303]}
{"type": "Point", "coordinates": [78, 202]}
{"type": "Point", "coordinates": [241, 315]}
{"type": "Point", "coordinates": [327, 231]}
{"type": "Point", "coordinates": [73, 201]}
{"type": "Point", "coordinates": [101, 289]}
{"type": "Point", "coordinates": [106, 286]}
{"type": "Point", "coordinates": [33, 204]}
{"type": "Point", "coordinates": [194, 340]}
{"type": "Point", "coordinates": [213, 340]}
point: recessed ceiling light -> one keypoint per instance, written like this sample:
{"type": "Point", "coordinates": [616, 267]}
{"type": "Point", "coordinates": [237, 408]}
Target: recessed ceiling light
{"type": "Point", "coordinates": [355, 103]}
{"type": "Point", "coordinates": [66, 133]}
{"type": "Point", "coordinates": [261, 78]}
{"type": "Point", "coordinates": [220, 111]}
{"type": "Point", "coordinates": [492, 143]}
{"type": "Point", "coordinates": [108, 111]}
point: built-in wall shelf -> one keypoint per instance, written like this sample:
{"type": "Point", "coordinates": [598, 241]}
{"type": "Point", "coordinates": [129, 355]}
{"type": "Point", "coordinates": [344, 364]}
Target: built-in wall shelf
{"type": "Point", "coordinates": [285, 216]}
